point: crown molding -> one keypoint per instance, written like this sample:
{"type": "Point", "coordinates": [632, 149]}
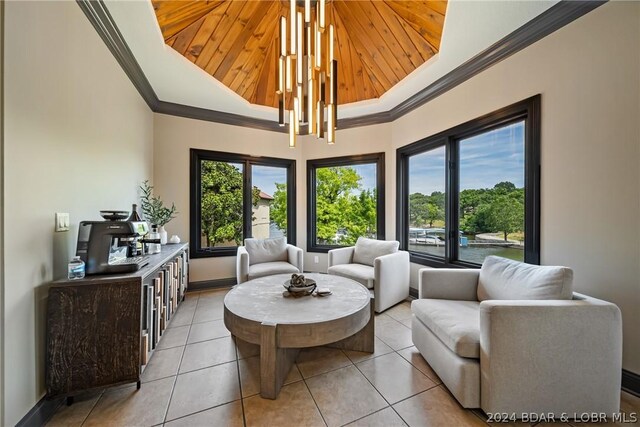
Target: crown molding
{"type": "Point", "coordinates": [551, 20]}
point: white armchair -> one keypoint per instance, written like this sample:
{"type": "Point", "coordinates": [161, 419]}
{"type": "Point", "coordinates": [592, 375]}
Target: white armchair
{"type": "Point", "coordinates": [376, 264]}
{"type": "Point", "coordinates": [265, 257]}
{"type": "Point", "coordinates": [514, 338]}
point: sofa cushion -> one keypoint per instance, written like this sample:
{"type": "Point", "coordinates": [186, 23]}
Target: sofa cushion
{"type": "Point", "coordinates": [505, 279]}
{"type": "Point", "coordinates": [360, 273]}
{"type": "Point", "coordinates": [455, 323]}
{"type": "Point", "coordinates": [266, 250]}
{"type": "Point", "coordinates": [367, 250]}
{"type": "Point", "coordinates": [270, 268]}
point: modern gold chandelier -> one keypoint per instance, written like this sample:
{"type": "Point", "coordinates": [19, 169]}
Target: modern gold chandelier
{"type": "Point", "coordinates": [307, 72]}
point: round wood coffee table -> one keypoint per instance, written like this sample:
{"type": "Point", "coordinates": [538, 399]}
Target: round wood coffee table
{"type": "Point", "coordinates": [257, 312]}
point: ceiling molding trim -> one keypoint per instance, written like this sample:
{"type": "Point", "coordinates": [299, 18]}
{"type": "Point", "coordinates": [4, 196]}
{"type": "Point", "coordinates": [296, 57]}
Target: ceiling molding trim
{"type": "Point", "coordinates": [551, 20]}
{"type": "Point", "coordinates": [190, 112]}
{"type": "Point", "coordinates": [539, 27]}
{"type": "Point", "coordinates": [547, 22]}
{"type": "Point", "coordinates": [100, 18]}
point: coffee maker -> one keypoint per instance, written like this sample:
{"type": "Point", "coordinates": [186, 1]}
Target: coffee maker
{"type": "Point", "coordinates": [104, 246]}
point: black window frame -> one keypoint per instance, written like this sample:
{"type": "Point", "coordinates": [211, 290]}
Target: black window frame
{"type": "Point", "coordinates": [313, 164]}
{"type": "Point", "coordinates": [197, 156]}
{"type": "Point", "coordinates": [527, 110]}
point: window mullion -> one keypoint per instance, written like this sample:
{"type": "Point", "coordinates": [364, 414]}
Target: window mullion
{"type": "Point", "coordinates": [247, 201]}
{"type": "Point", "coordinates": [452, 188]}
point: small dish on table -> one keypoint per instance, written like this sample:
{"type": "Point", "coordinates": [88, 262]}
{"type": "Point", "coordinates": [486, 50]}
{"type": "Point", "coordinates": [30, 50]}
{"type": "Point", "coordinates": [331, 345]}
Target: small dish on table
{"type": "Point", "coordinates": [298, 285]}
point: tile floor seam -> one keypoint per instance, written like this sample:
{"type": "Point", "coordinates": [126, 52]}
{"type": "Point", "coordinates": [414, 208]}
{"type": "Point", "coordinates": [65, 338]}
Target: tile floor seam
{"type": "Point", "coordinates": [401, 400]}
{"type": "Point", "coordinates": [84, 420]}
{"type": "Point", "coordinates": [365, 416]}
{"type": "Point", "coordinates": [175, 380]}
{"type": "Point", "coordinates": [235, 345]}
{"type": "Point", "coordinates": [380, 393]}
{"type": "Point", "coordinates": [315, 403]}
{"type": "Point", "coordinates": [325, 372]}
{"type": "Point", "coordinates": [371, 358]}
{"type": "Point", "coordinates": [387, 344]}
{"type": "Point", "coordinates": [201, 369]}
{"type": "Point", "coordinates": [437, 382]}
{"type": "Point", "coordinates": [409, 397]}
{"type": "Point", "coordinates": [199, 411]}
{"type": "Point", "coordinates": [205, 321]}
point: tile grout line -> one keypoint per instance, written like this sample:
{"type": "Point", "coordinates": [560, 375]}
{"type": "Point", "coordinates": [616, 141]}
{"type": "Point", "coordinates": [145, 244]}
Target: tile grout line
{"type": "Point", "coordinates": [84, 420]}
{"type": "Point", "coordinates": [175, 381]}
{"type": "Point", "coordinates": [206, 367]}
{"type": "Point", "coordinates": [381, 395]}
{"type": "Point", "coordinates": [199, 411]}
{"type": "Point", "coordinates": [314, 400]}
{"type": "Point", "coordinates": [235, 344]}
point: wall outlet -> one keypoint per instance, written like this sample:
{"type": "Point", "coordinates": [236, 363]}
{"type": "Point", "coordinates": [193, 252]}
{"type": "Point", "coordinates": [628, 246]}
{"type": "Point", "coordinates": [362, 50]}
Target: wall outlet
{"type": "Point", "coordinates": [62, 221]}
{"type": "Point", "coordinates": [316, 259]}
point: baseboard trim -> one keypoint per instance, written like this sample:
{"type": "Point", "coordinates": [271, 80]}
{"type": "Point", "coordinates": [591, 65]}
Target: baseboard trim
{"type": "Point", "coordinates": [631, 382]}
{"type": "Point", "coordinates": [212, 284]}
{"type": "Point", "coordinates": [41, 412]}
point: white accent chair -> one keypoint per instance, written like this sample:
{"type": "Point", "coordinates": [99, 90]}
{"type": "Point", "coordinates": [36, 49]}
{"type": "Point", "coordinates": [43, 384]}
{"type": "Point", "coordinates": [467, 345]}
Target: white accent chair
{"type": "Point", "coordinates": [378, 265]}
{"type": "Point", "coordinates": [265, 257]}
{"type": "Point", "coordinates": [515, 338]}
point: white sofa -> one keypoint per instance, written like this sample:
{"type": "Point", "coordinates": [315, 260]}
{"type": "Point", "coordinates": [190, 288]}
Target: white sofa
{"type": "Point", "coordinates": [265, 257]}
{"type": "Point", "coordinates": [377, 264]}
{"type": "Point", "coordinates": [513, 338]}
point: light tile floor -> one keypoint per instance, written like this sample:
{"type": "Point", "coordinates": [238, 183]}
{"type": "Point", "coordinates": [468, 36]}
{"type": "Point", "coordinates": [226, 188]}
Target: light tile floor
{"type": "Point", "coordinates": [200, 376]}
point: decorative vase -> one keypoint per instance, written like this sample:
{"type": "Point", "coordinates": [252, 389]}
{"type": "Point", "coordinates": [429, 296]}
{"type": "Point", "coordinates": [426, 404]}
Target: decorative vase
{"type": "Point", "coordinates": [163, 235]}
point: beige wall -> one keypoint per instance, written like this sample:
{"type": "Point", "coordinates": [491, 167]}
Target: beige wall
{"type": "Point", "coordinates": [78, 138]}
{"type": "Point", "coordinates": [173, 138]}
{"type": "Point", "coordinates": [589, 76]}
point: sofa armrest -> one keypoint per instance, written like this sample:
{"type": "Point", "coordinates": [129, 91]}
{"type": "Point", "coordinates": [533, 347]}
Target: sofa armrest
{"type": "Point", "coordinates": [341, 256]}
{"type": "Point", "coordinates": [295, 257]}
{"type": "Point", "coordinates": [550, 356]}
{"type": "Point", "coordinates": [448, 283]}
{"type": "Point", "coordinates": [391, 283]}
{"type": "Point", "coordinates": [242, 265]}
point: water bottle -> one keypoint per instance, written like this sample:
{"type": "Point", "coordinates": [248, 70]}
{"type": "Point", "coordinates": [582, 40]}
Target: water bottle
{"type": "Point", "coordinates": [76, 268]}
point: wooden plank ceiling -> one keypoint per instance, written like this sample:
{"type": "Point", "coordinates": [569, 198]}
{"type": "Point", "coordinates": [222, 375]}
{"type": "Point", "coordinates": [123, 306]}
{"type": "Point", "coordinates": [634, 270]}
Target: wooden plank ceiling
{"type": "Point", "coordinates": [378, 42]}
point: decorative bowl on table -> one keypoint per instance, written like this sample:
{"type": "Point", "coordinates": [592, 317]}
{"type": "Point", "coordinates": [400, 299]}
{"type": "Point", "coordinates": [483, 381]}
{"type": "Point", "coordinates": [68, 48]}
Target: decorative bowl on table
{"type": "Point", "coordinates": [299, 285]}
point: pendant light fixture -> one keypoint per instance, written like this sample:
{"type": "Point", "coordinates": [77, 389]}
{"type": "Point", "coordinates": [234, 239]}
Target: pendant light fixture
{"type": "Point", "coordinates": [307, 85]}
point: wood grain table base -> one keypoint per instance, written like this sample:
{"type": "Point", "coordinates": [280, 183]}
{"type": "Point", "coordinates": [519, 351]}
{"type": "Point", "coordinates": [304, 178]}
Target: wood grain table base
{"type": "Point", "coordinates": [280, 342]}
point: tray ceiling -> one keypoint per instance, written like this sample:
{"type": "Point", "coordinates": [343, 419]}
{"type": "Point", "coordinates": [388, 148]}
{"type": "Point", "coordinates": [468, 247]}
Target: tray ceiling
{"type": "Point", "coordinates": [378, 43]}
{"type": "Point", "coordinates": [470, 27]}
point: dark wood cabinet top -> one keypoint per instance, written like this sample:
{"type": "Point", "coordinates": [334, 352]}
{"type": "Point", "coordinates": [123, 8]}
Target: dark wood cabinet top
{"type": "Point", "coordinates": [167, 253]}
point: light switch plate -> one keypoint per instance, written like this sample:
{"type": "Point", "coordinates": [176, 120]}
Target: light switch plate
{"type": "Point", "coordinates": [62, 221]}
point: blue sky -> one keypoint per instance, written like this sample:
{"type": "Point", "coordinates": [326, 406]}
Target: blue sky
{"type": "Point", "coordinates": [485, 160]}
{"type": "Point", "coordinates": [368, 174]}
{"type": "Point", "coordinates": [265, 177]}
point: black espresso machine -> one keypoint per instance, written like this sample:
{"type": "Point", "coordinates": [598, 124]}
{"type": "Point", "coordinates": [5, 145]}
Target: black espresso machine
{"type": "Point", "coordinates": [106, 246]}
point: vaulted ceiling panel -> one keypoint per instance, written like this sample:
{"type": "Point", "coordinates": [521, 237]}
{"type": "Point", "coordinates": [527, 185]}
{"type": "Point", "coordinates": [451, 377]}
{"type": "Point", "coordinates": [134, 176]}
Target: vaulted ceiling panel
{"type": "Point", "coordinates": [377, 42]}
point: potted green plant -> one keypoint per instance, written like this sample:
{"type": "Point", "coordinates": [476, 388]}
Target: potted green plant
{"type": "Point", "coordinates": [155, 211]}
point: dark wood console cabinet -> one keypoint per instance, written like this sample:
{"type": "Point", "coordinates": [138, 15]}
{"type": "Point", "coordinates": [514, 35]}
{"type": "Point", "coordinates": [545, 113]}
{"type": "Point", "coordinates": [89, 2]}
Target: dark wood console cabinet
{"type": "Point", "coordinates": [101, 330]}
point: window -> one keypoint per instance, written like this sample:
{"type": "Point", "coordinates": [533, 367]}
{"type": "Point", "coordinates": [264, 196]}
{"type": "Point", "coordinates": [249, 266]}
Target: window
{"type": "Point", "coordinates": [345, 200]}
{"type": "Point", "coordinates": [473, 191]}
{"type": "Point", "coordinates": [235, 196]}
